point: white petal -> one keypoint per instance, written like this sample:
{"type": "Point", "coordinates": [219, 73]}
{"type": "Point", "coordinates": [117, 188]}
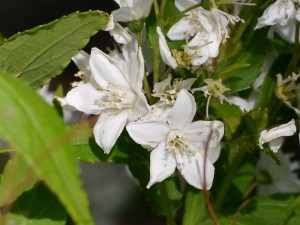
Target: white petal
{"type": "Point", "coordinates": [148, 133]}
{"type": "Point", "coordinates": [84, 98]}
{"type": "Point", "coordinates": [279, 12]}
{"type": "Point", "coordinates": [182, 30]}
{"type": "Point", "coordinates": [142, 8]}
{"type": "Point", "coordinates": [162, 164]}
{"type": "Point", "coordinates": [136, 70]}
{"type": "Point", "coordinates": [123, 14]}
{"type": "Point", "coordinates": [82, 62]}
{"type": "Point", "coordinates": [184, 4]}
{"type": "Point", "coordinates": [276, 144]}
{"type": "Point", "coordinates": [120, 35]}
{"type": "Point", "coordinates": [183, 110]}
{"type": "Point", "coordinates": [105, 70]}
{"type": "Point", "coordinates": [193, 171]}
{"type": "Point", "coordinates": [109, 127]}
{"type": "Point", "coordinates": [141, 107]}
{"type": "Point", "coordinates": [165, 52]}
{"type": "Point", "coordinates": [161, 86]}
{"type": "Point", "coordinates": [283, 130]}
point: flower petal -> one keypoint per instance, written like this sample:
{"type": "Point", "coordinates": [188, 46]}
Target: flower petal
{"type": "Point", "coordinates": [184, 4]}
{"type": "Point", "coordinates": [192, 170]}
{"type": "Point", "coordinates": [165, 52]}
{"type": "Point", "coordinates": [109, 127]}
{"type": "Point", "coordinates": [136, 70]}
{"type": "Point", "coordinates": [162, 164]}
{"type": "Point", "coordinates": [120, 35]}
{"type": "Point", "coordinates": [183, 110]}
{"type": "Point", "coordinates": [141, 107]}
{"type": "Point", "coordinates": [123, 14]}
{"type": "Point", "coordinates": [82, 62]}
{"type": "Point", "coordinates": [182, 30]}
{"type": "Point", "coordinates": [148, 133]}
{"type": "Point", "coordinates": [106, 71]}
{"type": "Point", "coordinates": [84, 98]}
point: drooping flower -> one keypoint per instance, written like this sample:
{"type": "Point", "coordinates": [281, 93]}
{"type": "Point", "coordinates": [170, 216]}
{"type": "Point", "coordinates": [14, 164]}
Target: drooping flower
{"type": "Point", "coordinates": [168, 91]}
{"type": "Point", "coordinates": [191, 147]}
{"type": "Point", "coordinates": [279, 12]}
{"type": "Point", "coordinates": [275, 135]}
{"type": "Point", "coordinates": [114, 92]}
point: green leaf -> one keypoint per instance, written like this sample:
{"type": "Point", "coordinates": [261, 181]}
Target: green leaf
{"type": "Point", "coordinates": [38, 134]}
{"type": "Point", "coordinates": [240, 71]}
{"type": "Point", "coordinates": [16, 179]}
{"type": "Point", "coordinates": [43, 52]}
{"type": "Point", "coordinates": [194, 207]}
{"type": "Point", "coordinates": [271, 210]}
{"type": "Point", "coordinates": [37, 207]}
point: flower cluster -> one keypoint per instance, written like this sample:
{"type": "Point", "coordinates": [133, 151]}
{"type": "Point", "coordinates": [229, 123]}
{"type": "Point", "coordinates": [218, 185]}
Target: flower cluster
{"type": "Point", "coordinates": [111, 86]}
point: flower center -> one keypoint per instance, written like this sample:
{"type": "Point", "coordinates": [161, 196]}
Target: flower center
{"type": "Point", "coordinates": [117, 98]}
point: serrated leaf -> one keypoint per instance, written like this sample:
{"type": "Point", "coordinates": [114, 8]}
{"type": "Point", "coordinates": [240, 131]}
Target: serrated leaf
{"type": "Point", "coordinates": [39, 54]}
{"type": "Point", "coordinates": [37, 207]}
{"type": "Point", "coordinates": [38, 134]}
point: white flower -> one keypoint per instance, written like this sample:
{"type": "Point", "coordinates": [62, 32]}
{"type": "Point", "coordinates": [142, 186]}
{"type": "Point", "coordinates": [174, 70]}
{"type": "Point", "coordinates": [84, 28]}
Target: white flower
{"type": "Point", "coordinates": [168, 92]}
{"type": "Point", "coordinates": [131, 10]}
{"type": "Point", "coordinates": [206, 28]}
{"type": "Point", "coordinates": [279, 12]}
{"type": "Point", "coordinates": [165, 52]}
{"type": "Point", "coordinates": [114, 92]}
{"type": "Point", "coordinates": [277, 179]}
{"type": "Point", "coordinates": [180, 143]}
{"type": "Point", "coordinates": [275, 135]}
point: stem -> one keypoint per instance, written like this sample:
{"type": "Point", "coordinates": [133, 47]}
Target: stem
{"type": "Point", "coordinates": [156, 60]}
{"type": "Point", "coordinates": [291, 210]}
{"type": "Point", "coordinates": [205, 191]}
{"type": "Point", "coordinates": [156, 8]}
{"type": "Point", "coordinates": [166, 204]}
{"type": "Point", "coordinates": [139, 39]}
{"type": "Point", "coordinates": [228, 180]}
{"type": "Point", "coordinates": [147, 89]}
{"type": "Point", "coordinates": [207, 106]}
{"type": "Point", "coordinates": [296, 55]}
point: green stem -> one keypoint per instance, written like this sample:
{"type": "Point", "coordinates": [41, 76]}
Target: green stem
{"type": "Point", "coordinates": [156, 60]}
{"type": "Point", "coordinates": [147, 89]}
{"type": "Point", "coordinates": [166, 204]}
{"type": "Point", "coordinates": [156, 8]}
{"type": "Point", "coordinates": [296, 56]}
{"type": "Point", "coordinates": [228, 180]}
{"type": "Point", "coordinates": [139, 39]}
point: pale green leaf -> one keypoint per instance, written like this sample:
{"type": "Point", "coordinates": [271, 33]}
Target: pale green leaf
{"type": "Point", "coordinates": [38, 134]}
{"type": "Point", "coordinates": [43, 52]}
{"type": "Point", "coordinates": [16, 179]}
